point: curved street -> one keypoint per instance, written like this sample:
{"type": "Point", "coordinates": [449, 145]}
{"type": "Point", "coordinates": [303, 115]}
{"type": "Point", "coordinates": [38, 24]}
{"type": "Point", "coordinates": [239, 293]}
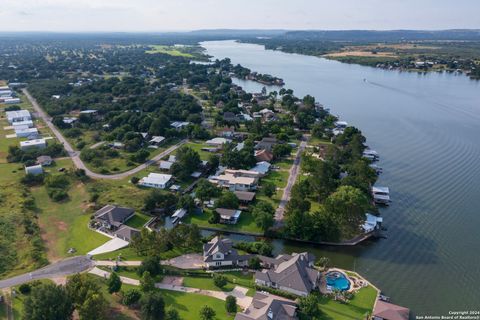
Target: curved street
{"type": "Point", "coordinates": [75, 155]}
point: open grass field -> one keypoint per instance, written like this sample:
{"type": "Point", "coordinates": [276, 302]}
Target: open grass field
{"type": "Point", "coordinates": [65, 224]}
{"type": "Point", "coordinates": [205, 283]}
{"type": "Point", "coordinates": [357, 308]}
{"type": "Point", "coordinates": [197, 146]}
{"type": "Point", "coordinates": [170, 50]}
{"type": "Point", "coordinates": [138, 220]}
{"type": "Point", "coordinates": [245, 223]}
{"type": "Point", "coordinates": [188, 305]}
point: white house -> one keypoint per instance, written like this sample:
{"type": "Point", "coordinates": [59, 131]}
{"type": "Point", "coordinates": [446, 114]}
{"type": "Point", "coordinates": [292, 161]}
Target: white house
{"type": "Point", "coordinates": [235, 183]}
{"type": "Point", "coordinates": [33, 144]}
{"type": "Point", "coordinates": [22, 124]}
{"type": "Point", "coordinates": [25, 132]}
{"type": "Point", "coordinates": [34, 170]}
{"type": "Point", "coordinates": [217, 142]}
{"type": "Point", "coordinates": [12, 101]}
{"type": "Point", "coordinates": [179, 125]}
{"type": "Point", "coordinates": [156, 180]}
{"type": "Point", "coordinates": [18, 115]}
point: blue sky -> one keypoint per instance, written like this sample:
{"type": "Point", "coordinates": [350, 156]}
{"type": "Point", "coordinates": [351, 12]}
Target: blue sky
{"type": "Point", "coordinates": [164, 15]}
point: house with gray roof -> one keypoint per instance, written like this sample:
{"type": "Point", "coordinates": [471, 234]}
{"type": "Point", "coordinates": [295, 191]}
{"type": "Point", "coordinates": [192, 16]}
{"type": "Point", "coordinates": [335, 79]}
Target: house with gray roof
{"type": "Point", "coordinates": [291, 273]}
{"type": "Point", "coordinates": [113, 217]}
{"type": "Point", "coordinates": [126, 233]}
{"type": "Point", "coordinates": [268, 307]}
{"type": "Point", "coordinates": [219, 252]}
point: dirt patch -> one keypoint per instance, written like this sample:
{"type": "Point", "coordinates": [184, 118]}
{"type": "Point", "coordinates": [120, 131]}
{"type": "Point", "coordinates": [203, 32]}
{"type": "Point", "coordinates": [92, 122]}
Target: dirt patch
{"type": "Point", "coordinates": [62, 226]}
{"type": "Point", "coordinates": [174, 281]}
{"type": "Point", "coordinates": [59, 280]}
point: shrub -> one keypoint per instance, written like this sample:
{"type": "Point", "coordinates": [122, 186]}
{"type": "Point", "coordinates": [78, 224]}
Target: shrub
{"type": "Point", "coordinates": [135, 180]}
{"type": "Point", "coordinates": [131, 297]}
{"type": "Point", "coordinates": [25, 288]}
{"type": "Point", "coordinates": [219, 280]}
{"type": "Point", "coordinates": [231, 304]}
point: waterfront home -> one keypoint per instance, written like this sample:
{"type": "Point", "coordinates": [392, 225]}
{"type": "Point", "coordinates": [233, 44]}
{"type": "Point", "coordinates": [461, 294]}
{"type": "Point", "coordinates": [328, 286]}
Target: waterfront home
{"type": "Point", "coordinates": [34, 170]}
{"type": "Point", "coordinates": [44, 160]}
{"type": "Point", "coordinates": [179, 125]}
{"type": "Point", "coordinates": [381, 195]}
{"type": "Point", "coordinates": [228, 216]}
{"type": "Point", "coordinates": [219, 252]}
{"type": "Point", "coordinates": [178, 215]}
{"type": "Point", "coordinates": [33, 144]}
{"type": "Point", "coordinates": [389, 311]}
{"type": "Point", "coordinates": [371, 223]}
{"type": "Point", "coordinates": [18, 115]}
{"type": "Point", "coordinates": [291, 273]}
{"type": "Point", "coordinates": [156, 180]}
{"type": "Point", "coordinates": [126, 233]}
{"type": "Point", "coordinates": [371, 155]}
{"type": "Point", "coordinates": [113, 217]}
{"type": "Point", "coordinates": [267, 307]}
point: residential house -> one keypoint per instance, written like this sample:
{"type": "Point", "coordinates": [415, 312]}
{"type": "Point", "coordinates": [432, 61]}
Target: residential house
{"type": "Point", "coordinates": [262, 167]}
{"type": "Point", "coordinates": [113, 217]}
{"type": "Point", "coordinates": [245, 197]}
{"type": "Point", "coordinates": [219, 252]}
{"type": "Point", "coordinates": [156, 140]}
{"type": "Point", "coordinates": [229, 116]}
{"type": "Point", "coordinates": [179, 125]}
{"type": "Point", "coordinates": [228, 216]}
{"type": "Point", "coordinates": [237, 180]}
{"type": "Point", "coordinates": [165, 165]}
{"type": "Point", "coordinates": [69, 120]}
{"type": "Point", "coordinates": [18, 115]}
{"type": "Point", "coordinates": [12, 101]}
{"type": "Point", "coordinates": [227, 133]}
{"type": "Point", "coordinates": [263, 155]}
{"type": "Point", "coordinates": [126, 233]}
{"type": "Point", "coordinates": [389, 311]}
{"type": "Point", "coordinates": [218, 142]}
{"type": "Point", "coordinates": [265, 115]}
{"type": "Point", "coordinates": [90, 112]}
{"type": "Point", "coordinates": [33, 144]}
{"type": "Point", "coordinates": [34, 170]}
{"type": "Point", "coordinates": [156, 180]}
{"type": "Point", "coordinates": [294, 274]}
{"type": "Point", "coordinates": [267, 307]}
{"type": "Point", "coordinates": [22, 124]}
{"type": "Point", "coordinates": [44, 160]}
{"type": "Point", "coordinates": [266, 143]}
{"type": "Point", "coordinates": [22, 132]}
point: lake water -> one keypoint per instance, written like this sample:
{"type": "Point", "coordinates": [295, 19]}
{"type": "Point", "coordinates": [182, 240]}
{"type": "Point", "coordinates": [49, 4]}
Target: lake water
{"type": "Point", "coordinates": [426, 128]}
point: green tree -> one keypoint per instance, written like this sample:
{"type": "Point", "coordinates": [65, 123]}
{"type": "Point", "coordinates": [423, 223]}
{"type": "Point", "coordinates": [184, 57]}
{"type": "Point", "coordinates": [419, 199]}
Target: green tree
{"type": "Point", "coordinates": [309, 307]}
{"type": "Point", "coordinates": [219, 280]}
{"type": "Point", "coordinates": [227, 200]}
{"type": "Point", "coordinates": [269, 189]}
{"type": "Point", "coordinates": [206, 190]}
{"type": "Point", "coordinates": [94, 308]}
{"type": "Point", "coordinates": [187, 162]}
{"type": "Point", "coordinates": [150, 264]}
{"type": "Point", "coordinates": [152, 306]}
{"type": "Point", "coordinates": [263, 214]}
{"type": "Point", "coordinates": [131, 297]}
{"type": "Point", "coordinates": [172, 314]}
{"type": "Point", "coordinates": [147, 283]}
{"type": "Point", "coordinates": [48, 301]}
{"type": "Point", "coordinates": [348, 204]}
{"type": "Point", "coordinates": [254, 263]}
{"type": "Point", "coordinates": [207, 313]}
{"type": "Point", "coordinates": [231, 304]}
{"type": "Point", "coordinates": [114, 283]}
{"type": "Point", "coordinates": [80, 286]}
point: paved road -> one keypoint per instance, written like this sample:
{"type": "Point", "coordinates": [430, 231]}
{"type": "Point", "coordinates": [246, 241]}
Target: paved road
{"type": "Point", "coordinates": [62, 268]}
{"type": "Point", "coordinates": [292, 178]}
{"type": "Point", "coordinates": [75, 155]}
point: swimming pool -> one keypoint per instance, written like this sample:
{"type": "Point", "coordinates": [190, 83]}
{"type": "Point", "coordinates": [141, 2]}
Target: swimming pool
{"type": "Point", "coordinates": [337, 281]}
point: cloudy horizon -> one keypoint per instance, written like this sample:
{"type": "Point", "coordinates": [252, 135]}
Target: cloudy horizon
{"type": "Point", "coordinates": [186, 15]}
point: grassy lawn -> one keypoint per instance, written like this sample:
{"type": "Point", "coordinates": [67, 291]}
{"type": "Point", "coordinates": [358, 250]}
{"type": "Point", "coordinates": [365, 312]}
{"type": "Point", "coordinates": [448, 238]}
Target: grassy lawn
{"type": "Point", "coordinates": [206, 284]}
{"type": "Point", "coordinates": [138, 220]}
{"type": "Point", "coordinates": [197, 146]}
{"type": "Point", "coordinates": [170, 50]}
{"type": "Point", "coordinates": [357, 308]}
{"type": "Point", "coordinates": [64, 224]}
{"type": "Point", "coordinates": [127, 253]}
{"type": "Point", "coordinates": [188, 305]}
{"type": "Point", "coordinates": [245, 223]}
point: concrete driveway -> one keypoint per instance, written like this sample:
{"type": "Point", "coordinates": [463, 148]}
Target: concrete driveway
{"type": "Point", "coordinates": [109, 246]}
{"type": "Point", "coordinates": [186, 261]}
